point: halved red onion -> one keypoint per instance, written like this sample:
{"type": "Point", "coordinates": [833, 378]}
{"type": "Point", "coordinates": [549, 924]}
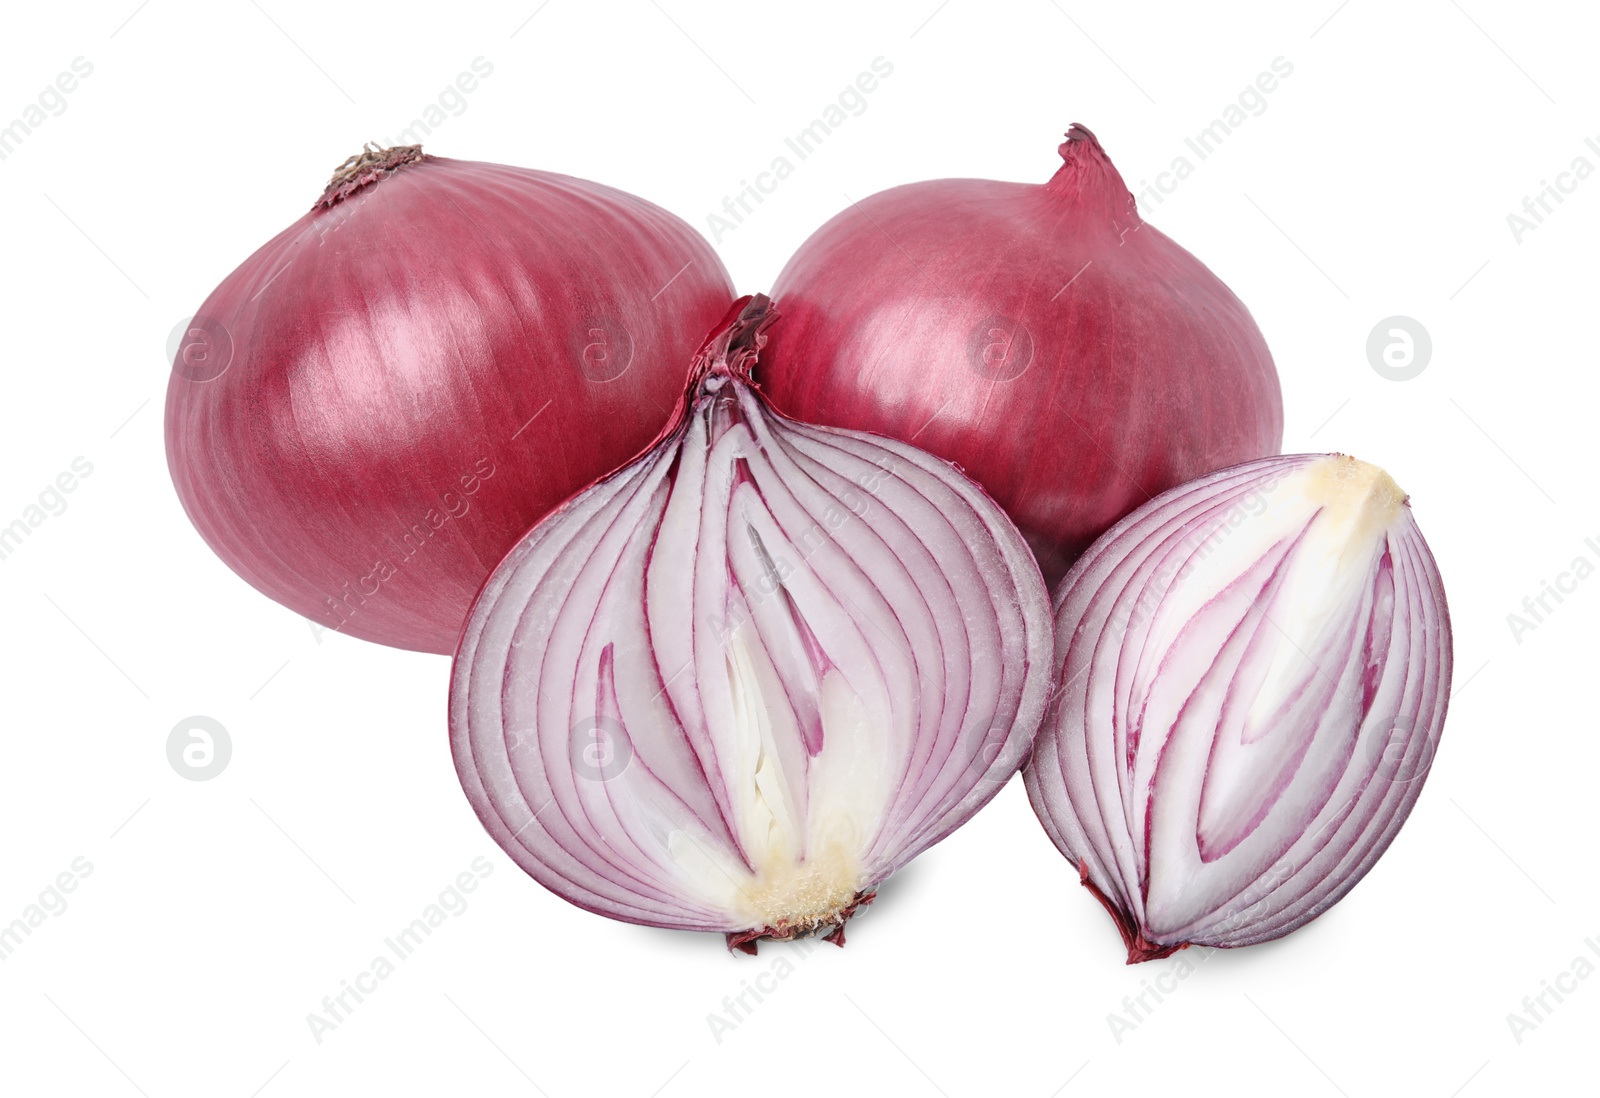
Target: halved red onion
{"type": "Point", "coordinates": [1253, 674]}
{"type": "Point", "coordinates": [740, 682]}
{"type": "Point", "coordinates": [369, 411]}
{"type": "Point", "coordinates": [1067, 355]}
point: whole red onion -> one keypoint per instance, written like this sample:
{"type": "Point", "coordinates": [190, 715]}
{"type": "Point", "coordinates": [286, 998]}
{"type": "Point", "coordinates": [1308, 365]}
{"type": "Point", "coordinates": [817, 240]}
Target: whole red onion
{"type": "Point", "coordinates": [372, 408]}
{"type": "Point", "coordinates": [1069, 357]}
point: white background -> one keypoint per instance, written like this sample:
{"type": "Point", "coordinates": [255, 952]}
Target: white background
{"type": "Point", "coordinates": [218, 914]}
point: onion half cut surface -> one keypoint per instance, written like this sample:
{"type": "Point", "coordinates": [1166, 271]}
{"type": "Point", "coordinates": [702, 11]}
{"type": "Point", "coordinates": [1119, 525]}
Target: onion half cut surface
{"type": "Point", "coordinates": [1254, 670]}
{"type": "Point", "coordinates": [737, 684]}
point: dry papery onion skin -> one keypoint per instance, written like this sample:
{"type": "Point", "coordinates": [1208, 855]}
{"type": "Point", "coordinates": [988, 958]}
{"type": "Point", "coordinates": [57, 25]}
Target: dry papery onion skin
{"type": "Point", "coordinates": [737, 684]}
{"type": "Point", "coordinates": [1253, 671]}
{"type": "Point", "coordinates": [371, 409]}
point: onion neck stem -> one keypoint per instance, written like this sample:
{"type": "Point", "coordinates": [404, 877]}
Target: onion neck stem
{"type": "Point", "coordinates": [737, 341]}
{"type": "Point", "coordinates": [364, 168]}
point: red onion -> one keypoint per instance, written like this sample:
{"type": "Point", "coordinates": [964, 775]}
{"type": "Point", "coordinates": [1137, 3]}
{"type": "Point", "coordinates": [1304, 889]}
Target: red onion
{"type": "Point", "coordinates": [1069, 357]}
{"type": "Point", "coordinates": [1254, 670]}
{"type": "Point", "coordinates": [740, 682]}
{"type": "Point", "coordinates": [368, 413]}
